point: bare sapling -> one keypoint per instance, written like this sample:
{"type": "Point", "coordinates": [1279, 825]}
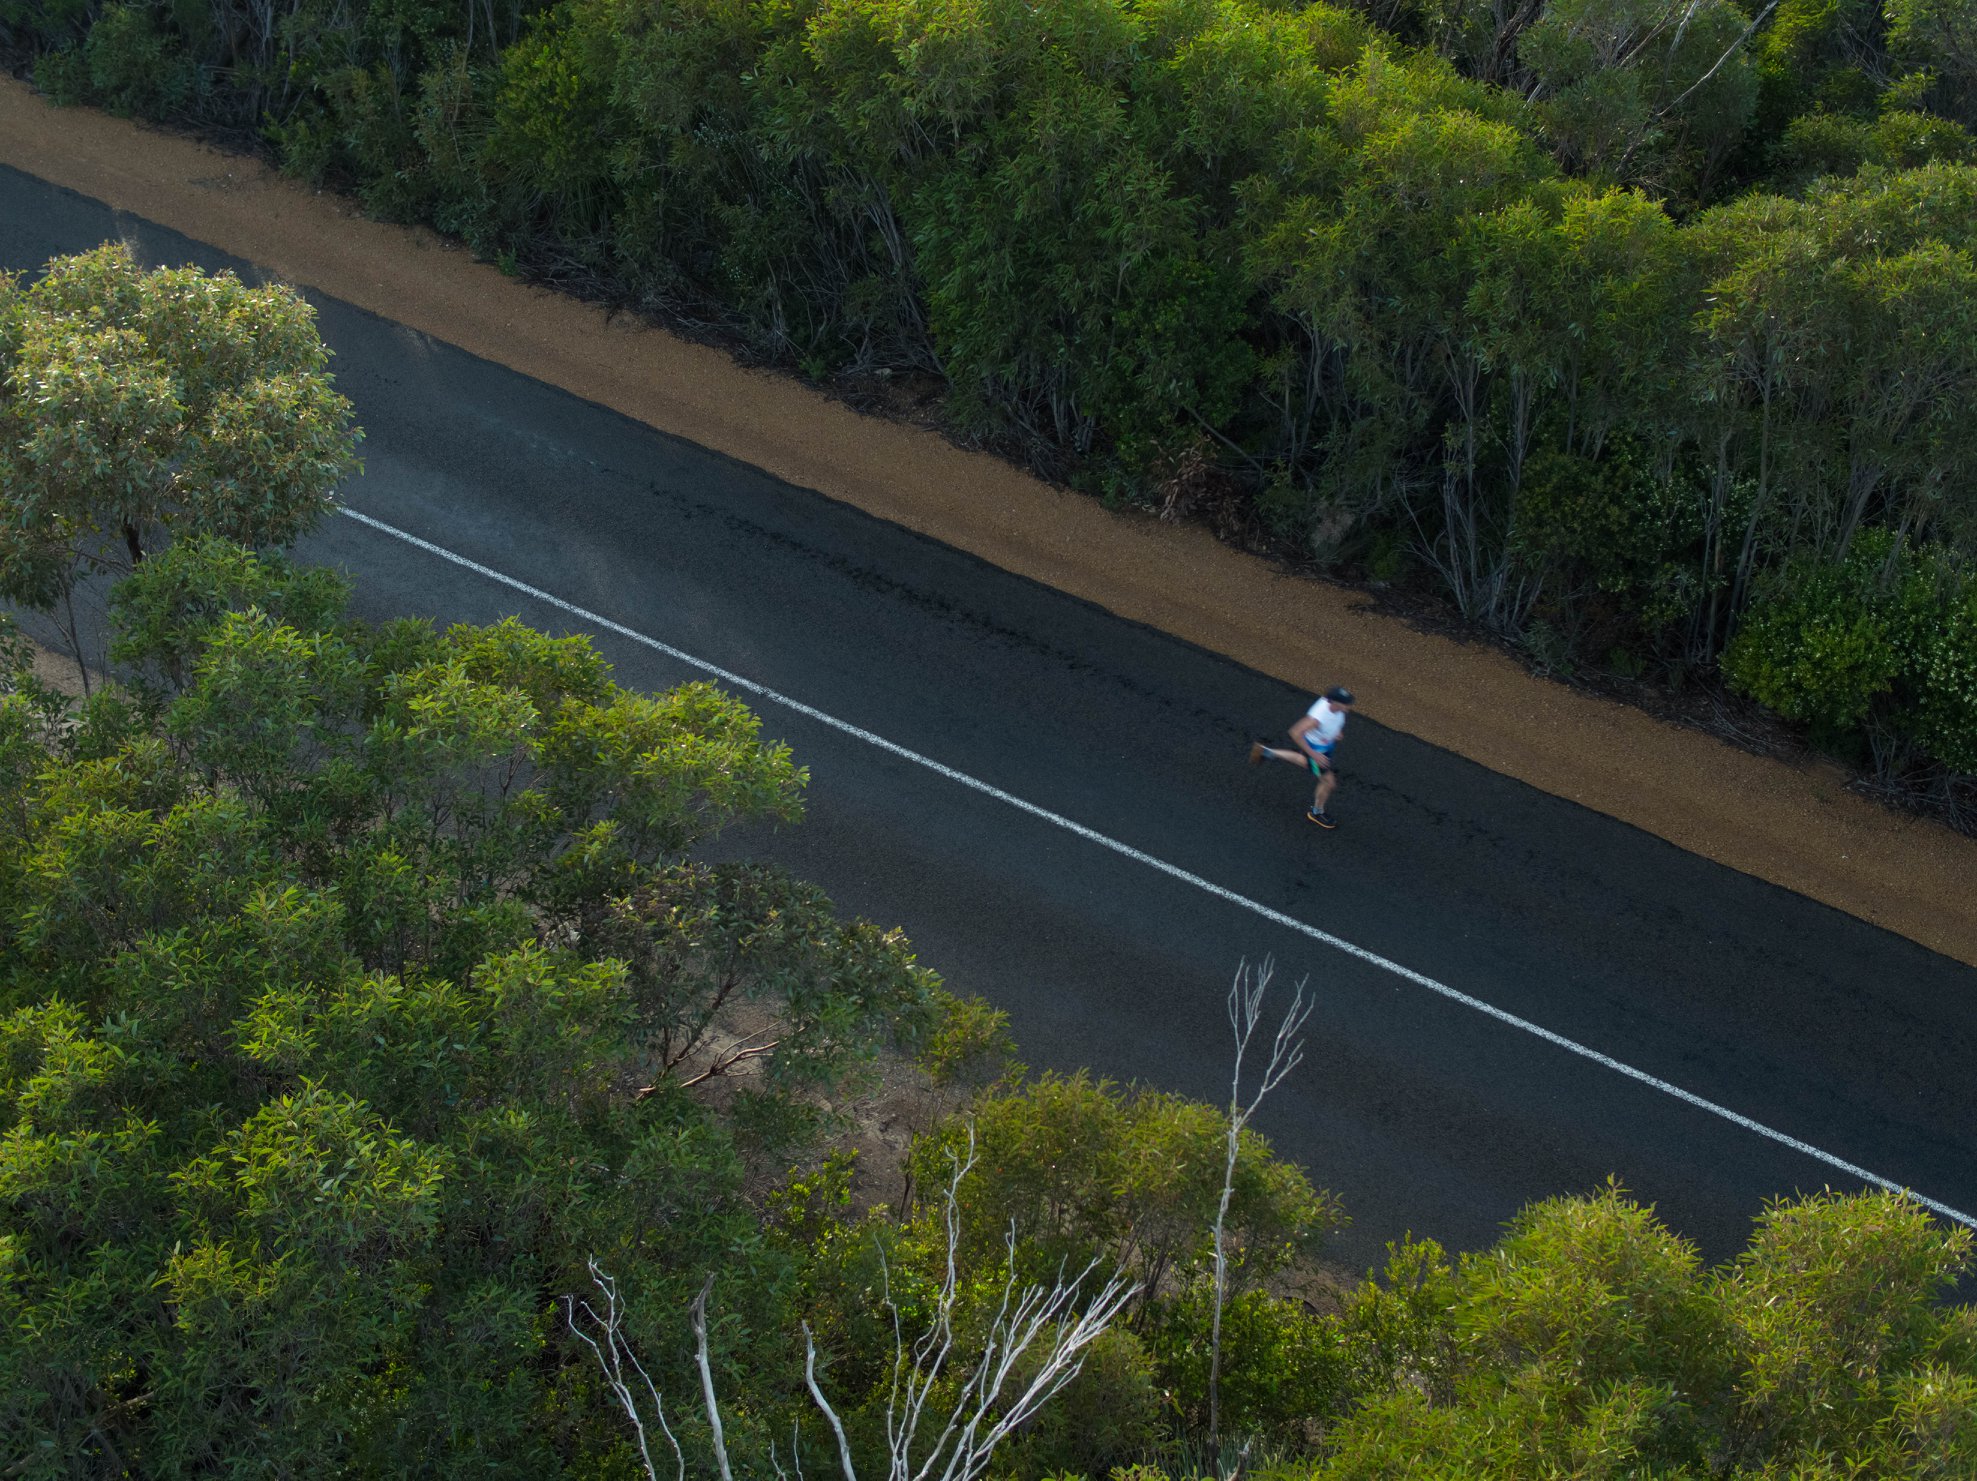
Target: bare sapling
{"type": "Point", "coordinates": [620, 1364]}
{"type": "Point", "coordinates": [1049, 1321]}
{"type": "Point", "coordinates": [1245, 1009]}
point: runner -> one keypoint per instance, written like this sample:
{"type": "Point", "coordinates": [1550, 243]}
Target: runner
{"type": "Point", "coordinates": [1316, 733]}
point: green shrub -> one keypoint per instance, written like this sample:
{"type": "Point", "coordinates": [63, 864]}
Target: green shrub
{"type": "Point", "coordinates": [1821, 642]}
{"type": "Point", "coordinates": [57, 24]}
{"type": "Point", "coordinates": [1088, 1170]}
{"type": "Point", "coordinates": [135, 68]}
{"type": "Point", "coordinates": [1613, 525]}
{"type": "Point", "coordinates": [1943, 659]}
{"type": "Point", "coordinates": [1109, 1415]}
{"type": "Point", "coordinates": [1285, 1371]}
{"type": "Point", "coordinates": [1887, 638]}
{"type": "Point", "coordinates": [1838, 144]}
{"type": "Point", "coordinates": [553, 129]}
{"type": "Point", "coordinates": [1591, 1342]}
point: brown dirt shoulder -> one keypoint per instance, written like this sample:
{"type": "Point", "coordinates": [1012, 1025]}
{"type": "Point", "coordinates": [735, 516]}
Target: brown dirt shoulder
{"type": "Point", "coordinates": [1794, 823]}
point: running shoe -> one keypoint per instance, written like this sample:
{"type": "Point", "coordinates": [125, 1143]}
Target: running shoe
{"type": "Point", "coordinates": [1322, 819]}
{"type": "Point", "coordinates": [1256, 749]}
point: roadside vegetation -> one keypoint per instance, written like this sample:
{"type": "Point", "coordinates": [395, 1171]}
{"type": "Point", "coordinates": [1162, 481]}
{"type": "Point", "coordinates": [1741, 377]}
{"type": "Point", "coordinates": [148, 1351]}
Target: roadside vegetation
{"type": "Point", "coordinates": [387, 1088]}
{"type": "Point", "coordinates": [1639, 334]}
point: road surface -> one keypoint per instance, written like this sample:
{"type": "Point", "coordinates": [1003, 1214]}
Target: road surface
{"type": "Point", "coordinates": [1053, 803]}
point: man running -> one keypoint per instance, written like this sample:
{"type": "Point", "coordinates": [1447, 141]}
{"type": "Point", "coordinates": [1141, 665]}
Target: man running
{"type": "Point", "coordinates": [1316, 734]}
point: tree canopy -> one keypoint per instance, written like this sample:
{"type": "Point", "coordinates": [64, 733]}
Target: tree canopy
{"type": "Point", "coordinates": [366, 1009]}
{"type": "Point", "coordinates": [133, 402]}
{"type": "Point", "coordinates": [354, 987]}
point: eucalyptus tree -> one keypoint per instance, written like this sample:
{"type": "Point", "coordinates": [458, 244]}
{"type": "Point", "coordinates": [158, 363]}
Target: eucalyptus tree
{"type": "Point", "coordinates": [1643, 90]}
{"type": "Point", "coordinates": [135, 403]}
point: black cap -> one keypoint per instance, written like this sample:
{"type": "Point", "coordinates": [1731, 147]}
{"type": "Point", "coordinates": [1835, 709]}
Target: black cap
{"type": "Point", "coordinates": [1338, 694]}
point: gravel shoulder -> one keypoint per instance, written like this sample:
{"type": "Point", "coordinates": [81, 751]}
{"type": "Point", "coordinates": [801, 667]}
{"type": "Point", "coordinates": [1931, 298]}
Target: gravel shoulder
{"type": "Point", "coordinates": [1795, 825]}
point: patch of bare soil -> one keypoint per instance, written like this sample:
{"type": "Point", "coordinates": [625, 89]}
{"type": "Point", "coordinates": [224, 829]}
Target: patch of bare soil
{"type": "Point", "coordinates": [1785, 818]}
{"type": "Point", "coordinates": [60, 672]}
{"type": "Point", "coordinates": [895, 1102]}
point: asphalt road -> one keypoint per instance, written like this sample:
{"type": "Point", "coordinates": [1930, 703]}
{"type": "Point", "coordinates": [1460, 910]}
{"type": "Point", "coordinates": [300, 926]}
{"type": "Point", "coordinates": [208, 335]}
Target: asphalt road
{"type": "Point", "coordinates": [1422, 1112]}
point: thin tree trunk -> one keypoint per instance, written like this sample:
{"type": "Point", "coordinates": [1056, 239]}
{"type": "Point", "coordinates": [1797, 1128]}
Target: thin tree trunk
{"type": "Point", "coordinates": [75, 637]}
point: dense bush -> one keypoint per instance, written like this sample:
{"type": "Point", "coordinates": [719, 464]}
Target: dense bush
{"type": "Point", "coordinates": [358, 990]}
{"type": "Point", "coordinates": [1590, 1342]}
{"type": "Point", "coordinates": [1882, 643]}
{"type": "Point", "coordinates": [1471, 287]}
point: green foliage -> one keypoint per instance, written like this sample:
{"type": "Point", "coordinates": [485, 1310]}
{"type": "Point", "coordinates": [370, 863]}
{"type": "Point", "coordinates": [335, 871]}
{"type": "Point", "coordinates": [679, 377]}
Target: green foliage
{"type": "Point", "coordinates": [1822, 144]}
{"type": "Point", "coordinates": [169, 608]}
{"type": "Point", "coordinates": [1837, 1325]}
{"type": "Point", "coordinates": [1591, 1342]}
{"type": "Point", "coordinates": [1128, 1177]}
{"type": "Point", "coordinates": [319, 1070]}
{"type": "Point", "coordinates": [133, 402]}
{"type": "Point", "coordinates": [1819, 57]}
{"type": "Point", "coordinates": [1936, 40]}
{"type": "Point", "coordinates": [970, 1046]}
{"type": "Point", "coordinates": [1617, 98]}
{"type": "Point", "coordinates": [132, 66]}
{"type": "Point", "coordinates": [1942, 668]}
{"type": "Point", "coordinates": [1615, 526]}
{"type": "Point", "coordinates": [358, 984]}
{"type": "Point", "coordinates": [1285, 1371]}
{"type": "Point", "coordinates": [1109, 1415]}
{"type": "Point", "coordinates": [1822, 647]}
{"type": "Point", "coordinates": [1885, 638]}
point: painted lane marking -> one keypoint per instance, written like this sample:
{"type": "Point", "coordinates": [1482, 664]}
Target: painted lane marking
{"type": "Point", "coordinates": [1172, 871]}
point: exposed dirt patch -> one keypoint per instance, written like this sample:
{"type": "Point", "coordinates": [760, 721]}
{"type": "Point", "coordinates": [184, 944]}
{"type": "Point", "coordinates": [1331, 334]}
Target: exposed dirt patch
{"type": "Point", "coordinates": [1784, 819]}
{"type": "Point", "coordinates": [59, 671]}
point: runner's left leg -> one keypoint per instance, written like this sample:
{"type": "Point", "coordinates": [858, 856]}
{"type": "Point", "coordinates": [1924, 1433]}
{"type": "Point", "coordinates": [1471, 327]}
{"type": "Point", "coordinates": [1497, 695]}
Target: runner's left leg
{"type": "Point", "coordinates": [1328, 783]}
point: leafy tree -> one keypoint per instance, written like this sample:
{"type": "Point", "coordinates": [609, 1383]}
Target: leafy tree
{"type": "Point", "coordinates": [1878, 644]}
{"type": "Point", "coordinates": [1367, 257]}
{"type": "Point", "coordinates": [1277, 264]}
{"type": "Point", "coordinates": [1643, 90]}
{"type": "Point", "coordinates": [1087, 1170]}
{"type": "Point", "coordinates": [1817, 145]}
{"type": "Point", "coordinates": [135, 402]}
{"type": "Point", "coordinates": [1820, 58]}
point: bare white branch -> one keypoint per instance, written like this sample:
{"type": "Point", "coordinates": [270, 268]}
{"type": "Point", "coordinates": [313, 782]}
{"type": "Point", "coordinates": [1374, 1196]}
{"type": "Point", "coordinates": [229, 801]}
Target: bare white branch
{"type": "Point", "coordinates": [1245, 1008]}
{"type": "Point", "coordinates": [1729, 51]}
{"type": "Point", "coordinates": [795, 1471]}
{"type": "Point", "coordinates": [1049, 1327]}
{"type": "Point", "coordinates": [707, 1378]}
{"type": "Point", "coordinates": [614, 1354]}
{"type": "Point", "coordinates": [1041, 1330]}
{"type": "Point", "coordinates": [824, 1405]}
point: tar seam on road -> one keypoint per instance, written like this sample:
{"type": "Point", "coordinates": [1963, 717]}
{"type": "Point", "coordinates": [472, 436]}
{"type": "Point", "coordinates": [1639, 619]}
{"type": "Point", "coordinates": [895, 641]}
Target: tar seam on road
{"type": "Point", "coordinates": [1172, 871]}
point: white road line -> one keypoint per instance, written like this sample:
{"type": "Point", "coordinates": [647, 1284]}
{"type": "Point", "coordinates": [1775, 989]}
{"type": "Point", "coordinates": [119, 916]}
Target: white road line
{"type": "Point", "coordinates": [1172, 871]}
